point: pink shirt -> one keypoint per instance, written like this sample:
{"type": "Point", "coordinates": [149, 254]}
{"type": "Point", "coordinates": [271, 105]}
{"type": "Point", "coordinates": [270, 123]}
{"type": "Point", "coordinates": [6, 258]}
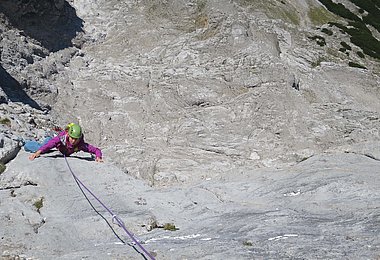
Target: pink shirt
{"type": "Point", "coordinates": [61, 142]}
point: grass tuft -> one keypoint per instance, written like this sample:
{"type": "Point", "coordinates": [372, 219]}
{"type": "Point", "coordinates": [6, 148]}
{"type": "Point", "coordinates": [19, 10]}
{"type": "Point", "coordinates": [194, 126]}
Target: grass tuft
{"type": "Point", "coordinates": [39, 204]}
{"type": "Point", "coordinates": [170, 226]}
{"type": "Point", "coordinates": [5, 121]}
{"type": "Point", "coordinates": [2, 168]}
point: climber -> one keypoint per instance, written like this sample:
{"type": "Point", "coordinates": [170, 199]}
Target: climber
{"type": "Point", "coordinates": [69, 141]}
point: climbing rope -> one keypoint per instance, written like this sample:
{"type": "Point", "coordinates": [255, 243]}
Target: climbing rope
{"type": "Point", "coordinates": [115, 218]}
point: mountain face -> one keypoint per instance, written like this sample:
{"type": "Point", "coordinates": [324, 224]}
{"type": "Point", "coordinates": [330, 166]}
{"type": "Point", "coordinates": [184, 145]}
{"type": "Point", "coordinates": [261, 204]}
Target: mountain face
{"type": "Point", "coordinates": [261, 112]}
{"type": "Point", "coordinates": [176, 87]}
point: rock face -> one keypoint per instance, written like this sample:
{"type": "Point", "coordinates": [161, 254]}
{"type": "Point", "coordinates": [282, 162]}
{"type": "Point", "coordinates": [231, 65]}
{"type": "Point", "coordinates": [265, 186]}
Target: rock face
{"type": "Point", "coordinates": [32, 35]}
{"type": "Point", "coordinates": [325, 207]}
{"type": "Point", "coordinates": [208, 88]}
{"type": "Point", "coordinates": [53, 23]}
{"type": "Point", "coordinates": [243, 123]}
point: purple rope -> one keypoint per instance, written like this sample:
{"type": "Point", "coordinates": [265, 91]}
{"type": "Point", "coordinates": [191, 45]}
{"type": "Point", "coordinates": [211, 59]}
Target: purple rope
{"type": "Point", "coordinates": [118, 220]}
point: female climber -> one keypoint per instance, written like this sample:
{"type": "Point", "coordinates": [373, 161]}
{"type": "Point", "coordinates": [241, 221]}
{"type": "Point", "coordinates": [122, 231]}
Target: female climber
{"type": "Point", "coordinates": [68, 142]}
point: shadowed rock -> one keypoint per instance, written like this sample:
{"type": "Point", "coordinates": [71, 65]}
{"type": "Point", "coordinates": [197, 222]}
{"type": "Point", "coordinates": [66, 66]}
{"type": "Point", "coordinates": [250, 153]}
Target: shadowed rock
{"type": "Point", "coordinates": [53, 23]}
{"type": "Point", "coordinates": [14, 91]}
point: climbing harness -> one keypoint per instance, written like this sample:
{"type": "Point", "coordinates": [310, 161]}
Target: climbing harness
{"type": "Point", "coordinates": [115, 218]}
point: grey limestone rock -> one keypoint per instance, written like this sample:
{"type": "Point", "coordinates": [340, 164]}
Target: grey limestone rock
{"type": "Point", "coordinates": [240, 124]}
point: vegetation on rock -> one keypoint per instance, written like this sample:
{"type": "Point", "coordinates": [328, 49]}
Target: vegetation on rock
{"type": "Point", "coordinates": [356, 27]}
{"type": "Point", "coordinates": [2, 168]}
{"type": "Point", "coordinates": [319, 15]}
{"type": "Point", "coordinates": [327, 31]}
{"type": "Point", "coordinates": [170, 227]}
{"type": "Point", "coordinates": [39, 204]}
{"type": "Point", "coordinates": [319, 39]}
{"type": "Point", "coordinates": [356, 65]}
{"type": "Point", "coordinates": [5, 121]}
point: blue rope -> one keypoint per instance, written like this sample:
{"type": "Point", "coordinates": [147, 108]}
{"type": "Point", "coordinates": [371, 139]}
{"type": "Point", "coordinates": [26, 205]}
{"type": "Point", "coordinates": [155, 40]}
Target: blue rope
{"type": "Point", "coordinates": [114, 217]}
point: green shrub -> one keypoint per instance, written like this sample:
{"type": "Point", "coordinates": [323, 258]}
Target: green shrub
{"type": "Point", "coordinates": [346, 46]}
{"type": "Point", "coordinates": [357, 28]}
{"type": "Point", "coordinates": [327, 31]}
{"type": "Point", "coordinates": [373, 17]}
{"type": "Point", "coordinates": [372, 20]}
{"type": "Point", "coordinates": [362, 37]}
{"type": "Point", "coordinates": [319, 39]}
{"type": "Point", "coordinates": [343, 50]}
{"type": "Point", "coordinates": [355, 65]}
{"type": "Point", "coordinates": [340, 10]}
{"type": "Point", "coordinates": [343, 29]}
{"type": "Point", "coordinates": [365, 40]}
{"type": "Point", "coordinates": [360, 54]}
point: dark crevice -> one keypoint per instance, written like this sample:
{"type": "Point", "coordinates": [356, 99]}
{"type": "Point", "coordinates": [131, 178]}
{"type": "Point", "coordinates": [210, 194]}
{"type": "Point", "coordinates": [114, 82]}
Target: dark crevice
{"type": "Point", "coordinates": [27, 183]}
{"type": "Point", "coordinates": [14, 91]}
{"type": "Point", "coordinates": [372, 157]}
{"type": "Point", "coordinates": [304, 159]}
{"type": "Point", "coordinates": [296, 85]}
{"type": "Point", "coordinates": [366, 155]}
{"type": "Point", "coordinates": [201, 104]}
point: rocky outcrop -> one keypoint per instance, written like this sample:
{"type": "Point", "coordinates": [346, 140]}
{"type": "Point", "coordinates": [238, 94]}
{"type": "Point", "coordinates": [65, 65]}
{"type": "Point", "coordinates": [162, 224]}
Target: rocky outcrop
{"type": "Point", "coordinates": [53, 23]}
{"type": "Point", "coordinates": [31, 57]}
{"type": "Point", "coordinates": [18, 124]}
{"type": "Point", "coordinates": [8, 149]}
{"type": "Point", "coordinates": [32, 35]}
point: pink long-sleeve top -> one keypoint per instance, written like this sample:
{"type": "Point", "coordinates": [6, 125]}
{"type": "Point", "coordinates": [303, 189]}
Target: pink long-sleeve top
{"type": "Point", "coordinates": [61, 142]}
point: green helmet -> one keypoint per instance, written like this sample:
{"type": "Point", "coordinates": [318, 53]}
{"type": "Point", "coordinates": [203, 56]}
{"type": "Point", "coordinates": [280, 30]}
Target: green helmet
{"type": "Point", "coordinates": [75, 131]}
